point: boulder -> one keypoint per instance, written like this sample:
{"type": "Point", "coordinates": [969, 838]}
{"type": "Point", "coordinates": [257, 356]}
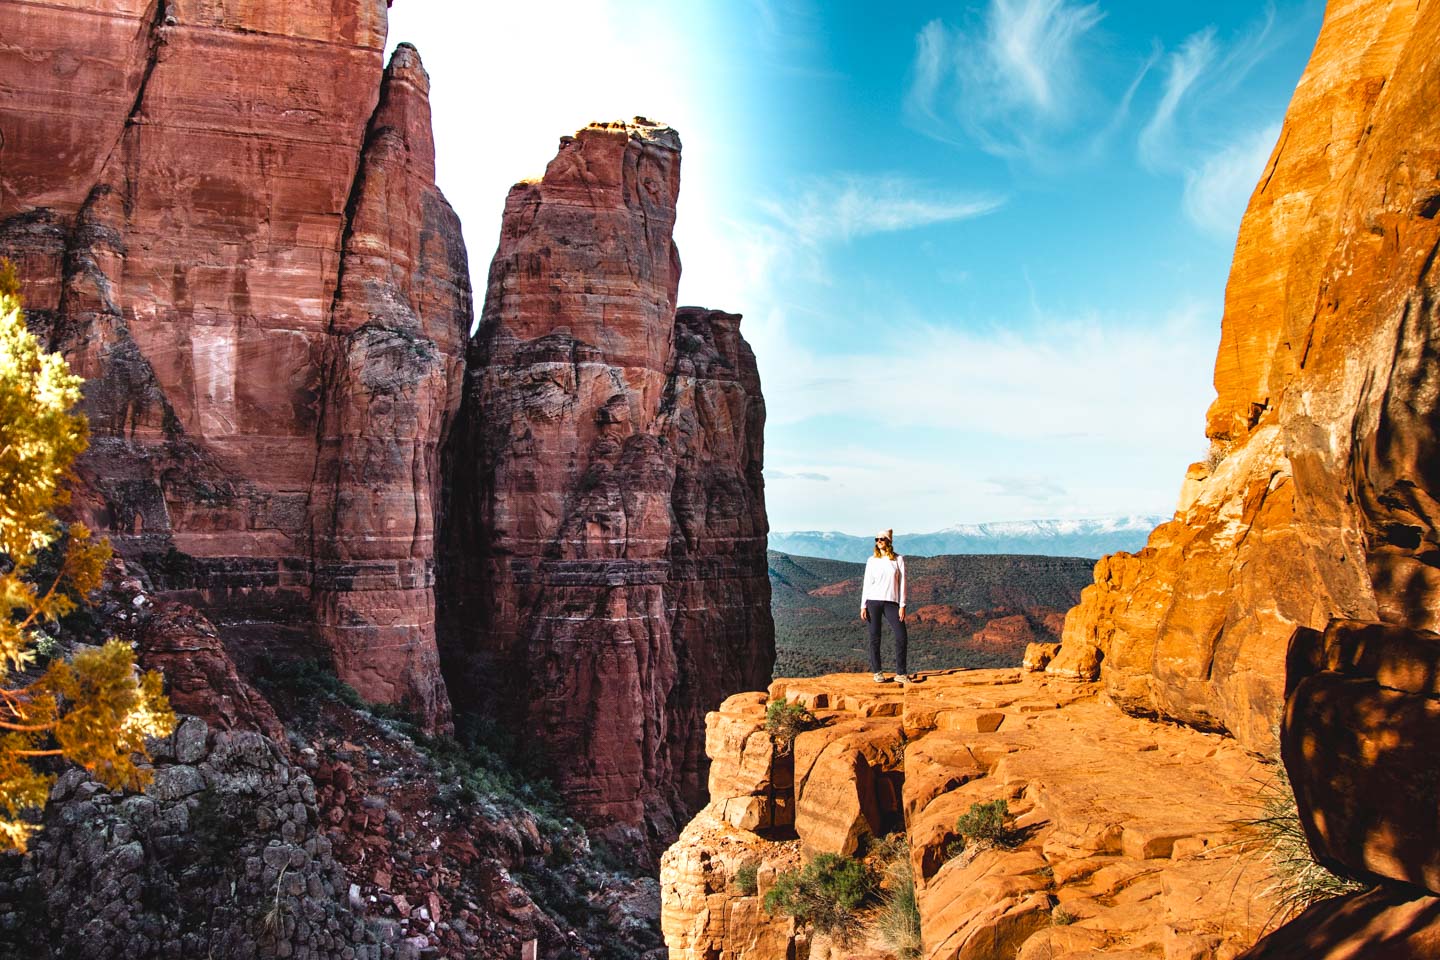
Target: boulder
{"type": "Point", "coordinates": [1393, 923]}
{"type": "Point", "coordinates": [1363, 713]}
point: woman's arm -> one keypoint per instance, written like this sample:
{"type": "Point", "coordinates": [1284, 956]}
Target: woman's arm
{"type": "Point", "coordinates": [900, 562]}
{"type": "Point", "coordinates": [864, 582]}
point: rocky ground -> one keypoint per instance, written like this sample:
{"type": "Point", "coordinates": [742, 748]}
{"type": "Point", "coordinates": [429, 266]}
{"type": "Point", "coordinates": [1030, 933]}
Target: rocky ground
{"type": "Point", "coordinates": [351, 839]}
{"type": "Point", "coordinates": [296, 820]}
{"type": "Point", "coordinates": [1129, 836]}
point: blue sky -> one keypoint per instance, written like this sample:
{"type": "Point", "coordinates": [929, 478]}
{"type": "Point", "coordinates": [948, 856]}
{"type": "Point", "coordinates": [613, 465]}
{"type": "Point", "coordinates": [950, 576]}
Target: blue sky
{"type": "Point", "coordinates": [980, 247]}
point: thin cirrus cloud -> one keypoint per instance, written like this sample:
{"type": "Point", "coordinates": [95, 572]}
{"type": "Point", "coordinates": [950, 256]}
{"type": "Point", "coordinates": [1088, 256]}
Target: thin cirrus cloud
{"type": "Point", "coordinates": [798, 475]}
{"type": "Point", "coordinates": [1182, 69]}
{"type": "Point", "coordinates": [1077, 395]}
{"type": "Point", "coordinates": [841, 208]}
{"type": "Point", "coordinates": [1063, 377]}
{"type": "Point", "coordinates": [1036, 489]}
{"type": "Point", "coordinates": [1218, 190]}
{"type": "Point", "coordinates": [1199, 76]}
{"type": "Point", "coordinates": [1010, 82]}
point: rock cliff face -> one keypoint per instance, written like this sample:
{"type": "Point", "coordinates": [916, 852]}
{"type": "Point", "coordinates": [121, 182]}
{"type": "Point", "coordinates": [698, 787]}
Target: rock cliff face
{"type": "Point", "coordinates": [1301, 567]}
{"type": "Point", "coordinates": [603, 570]}
{"type": "Point", "coordinates": [229, 225]}
{"type": "Point", "coordinates": [1318, 501]}
{"type": "Point", "coordinates": [225, 215]}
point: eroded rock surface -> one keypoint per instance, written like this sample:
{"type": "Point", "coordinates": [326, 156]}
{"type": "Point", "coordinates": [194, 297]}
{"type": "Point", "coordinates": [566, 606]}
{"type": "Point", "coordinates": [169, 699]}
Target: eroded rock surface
{"type": "Point", "coordinates": [222, 856]}
{"type": "Point", "coordinates": [1318, 500]}
{"type": "Point", "coordinates": [1128, 829]}
{"type": "Point", "coordinates": [604, 575]}
{"type": "Point", "coordinates": [250, 265]}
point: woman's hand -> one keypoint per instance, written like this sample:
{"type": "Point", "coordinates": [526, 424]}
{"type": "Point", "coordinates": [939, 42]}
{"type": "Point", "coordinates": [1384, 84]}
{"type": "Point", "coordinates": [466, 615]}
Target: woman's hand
{"type": "Point", "coordinates": [864, 614]}
{"type": "Point", "coordinates": [902, 614]}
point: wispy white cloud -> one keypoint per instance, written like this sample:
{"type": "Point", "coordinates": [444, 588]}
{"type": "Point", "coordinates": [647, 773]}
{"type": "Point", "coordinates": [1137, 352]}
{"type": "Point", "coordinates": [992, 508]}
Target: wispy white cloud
{"type": "Point", "coordinates": [934, 422]}
{"type": "Point", "coordinates": [1058, 377]}
{"type": "Point", "coordinates": [930, 70]}
{"type": "Point", "coordinates": [1032, 43]}
{"type": "Point", "coordinates": [841, 208]}
{"type": "Point", "coordinates": [1009, 81]}
{"type": "Point", "coordinates": [1037, 489]}
{"type": "Point", "coordinates": [1218, 190]}
{"type": "Point", "coordinates": [796, 475]}
{"type": "Point", "coordinates": [1200, 76]}
{"type": "Point", "coordinates": [1182, 69]}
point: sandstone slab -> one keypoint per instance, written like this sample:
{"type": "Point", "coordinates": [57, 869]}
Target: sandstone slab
{"type": "Point", "coordinates": [1131, 828]}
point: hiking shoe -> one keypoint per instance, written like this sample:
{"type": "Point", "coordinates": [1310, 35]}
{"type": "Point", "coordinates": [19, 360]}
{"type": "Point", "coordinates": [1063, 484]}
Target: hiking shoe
{"type": "Point", "coordinates": [881, 678]}
{"type": "Point", "coordinates": [907, 678]}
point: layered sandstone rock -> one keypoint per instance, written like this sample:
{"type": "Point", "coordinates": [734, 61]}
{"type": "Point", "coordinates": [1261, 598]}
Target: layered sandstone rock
{"type": "Point", "coordinates": [1133, 830]}
{"type": "Point", "coordinates": [251, 267]}
{"type": "Point", "coordinates": [604, 576]}
{"type": "Point", "coordinates": [200, 677]}
{"type": "Point", "coordinates": [1318, 502]}
{"type": "Point", "coordinates": [392, 374]}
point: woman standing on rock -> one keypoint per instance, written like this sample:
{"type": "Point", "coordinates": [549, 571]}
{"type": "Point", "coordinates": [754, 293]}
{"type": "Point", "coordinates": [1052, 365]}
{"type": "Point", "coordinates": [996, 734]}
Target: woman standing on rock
{"type": "Point", "coordinates": [884, 597]}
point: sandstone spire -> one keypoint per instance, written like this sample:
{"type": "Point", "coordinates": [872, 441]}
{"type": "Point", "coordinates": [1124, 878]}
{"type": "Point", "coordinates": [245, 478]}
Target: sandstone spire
{"type": "Point", "coordinates": [604, 572]}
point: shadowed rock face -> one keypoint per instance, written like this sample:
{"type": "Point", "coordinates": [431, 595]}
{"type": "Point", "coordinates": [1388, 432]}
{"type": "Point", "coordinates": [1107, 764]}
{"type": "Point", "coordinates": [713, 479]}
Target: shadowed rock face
{"type": "Point", "coordinates": [603, 571]}
{"type": "Point", "coordinates": [241, 248]}
{"type": "Point", "coordinates": [1319, 500]}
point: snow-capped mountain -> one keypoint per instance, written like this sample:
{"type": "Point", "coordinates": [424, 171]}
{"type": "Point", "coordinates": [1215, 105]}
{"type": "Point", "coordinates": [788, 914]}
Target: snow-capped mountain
{"type": "Point", "coordinates": [1093, 537]}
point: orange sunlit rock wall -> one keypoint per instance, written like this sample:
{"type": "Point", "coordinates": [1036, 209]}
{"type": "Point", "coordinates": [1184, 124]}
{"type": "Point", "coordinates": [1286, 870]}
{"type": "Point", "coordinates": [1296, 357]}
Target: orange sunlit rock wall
{"type": "Point", "coordinates": [1317, 501]}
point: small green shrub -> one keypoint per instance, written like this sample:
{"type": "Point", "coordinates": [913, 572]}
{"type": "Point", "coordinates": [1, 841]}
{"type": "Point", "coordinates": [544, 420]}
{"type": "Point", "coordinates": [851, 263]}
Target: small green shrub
{"type": "Point", "coordinates": [899, 919]}
{"type": "Point", "coordinates": [747, 879]}
{"type": "Point", "coordinates": [1297, 879]}
{"type": "Point", "coordinates": [785, 721]}
{"type": "Point", "coordinates": [986, 825]}
{"type": "Point", "coordinates": [1062, 917]}
{"type": "Point", "coordinates": [825, 894]}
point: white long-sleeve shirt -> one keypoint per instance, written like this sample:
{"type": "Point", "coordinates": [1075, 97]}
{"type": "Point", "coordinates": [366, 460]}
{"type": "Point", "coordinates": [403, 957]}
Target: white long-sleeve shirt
{"type": "Point", "coordinates": [884, 580]}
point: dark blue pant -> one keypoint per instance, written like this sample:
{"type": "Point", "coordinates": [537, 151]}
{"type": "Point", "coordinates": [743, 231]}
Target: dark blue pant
{"type": "Point", "coordinates": [890, 610]}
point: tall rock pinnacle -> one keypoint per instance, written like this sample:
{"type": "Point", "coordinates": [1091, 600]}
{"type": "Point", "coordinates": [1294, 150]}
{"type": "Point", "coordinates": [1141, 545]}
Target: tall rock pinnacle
{"type": "Point", "coordinates": [603, 576]}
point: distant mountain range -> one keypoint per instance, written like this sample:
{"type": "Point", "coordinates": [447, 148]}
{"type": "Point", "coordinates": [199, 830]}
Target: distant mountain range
{"type": "Point", "coordinates": [1054, 538]}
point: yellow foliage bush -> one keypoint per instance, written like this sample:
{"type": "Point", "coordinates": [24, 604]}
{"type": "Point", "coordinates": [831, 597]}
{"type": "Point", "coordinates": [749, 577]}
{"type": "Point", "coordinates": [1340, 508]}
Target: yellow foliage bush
{"type": "Point", "coordinates": [94, 710]}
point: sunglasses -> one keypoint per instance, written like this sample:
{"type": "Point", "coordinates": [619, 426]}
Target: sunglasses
{"type": "Point", "coordinates": [881, 540]}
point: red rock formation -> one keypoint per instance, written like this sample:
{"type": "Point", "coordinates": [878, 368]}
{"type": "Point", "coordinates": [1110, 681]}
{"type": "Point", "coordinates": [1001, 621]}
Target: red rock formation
{"type": "Point", "coordinates": [237, 267]}
{"type": "Point", "coordinates": [604, 574]}
{"type": "Point", "coordinates": [392, 378]}
{"type": "Point", "coordinates": [844, 588]}
{"type": "Point", "coordinates": [1012, 631]}
{"type": "Point", "coordinates": [1360, 724]}
{"type": "Point", "coordinates": [1128, 825]}
{"type": "Point", "coordinates": [200, 677]}
{"type": "Point", "coordinates": [1318, 501]}
{"type": "Point", "coordinates": [1318, 522]}
{"type": "Point", "coordinates": [943, 614]}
